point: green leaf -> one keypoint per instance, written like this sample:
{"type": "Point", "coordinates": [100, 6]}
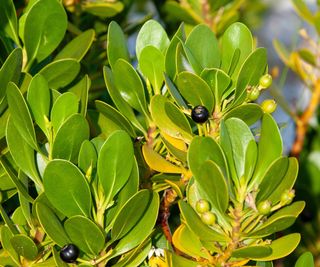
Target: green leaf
{"type": "Point", "coordinates": [308, 56]}
{"type": "Point", "coordinates": [78, 47]}
{"type": "Point", "coordinates": [10, 70]}
{"type": "Point", "coordinates": [103, 9]}
{"type": "Point", "coordinates": [116, 44]}
{"type": "Point", "coordinates": [169, 118]}
{"type": "Point", "coordinates": [87, 156]}
{"type": "Point", "coordinates": [85, 234]}
{"type": "Point", "coordinates": [6, 236]}
{"type": "Point", "coordinates": [303, 10]}
{"type": "Point", "coordinates": [67, 189]}
{"type": "Point", "coordinates": [114, 115]}
{"type": "Point", "coordinates": [175, 93]}
{"type": "Point", "coordinates": [250, 160]}
{"type": "Point", "coordinates": [195, 224]}
{"type": "Point", "coordinates": [269, 148]}
{"type": "Point", "coordinates": [202, 48]}
{"type": "Point", "coordinates": [8, 221]}
{"type": "Point", "coordinates": [20, 115]}
{"type": "Point", "coordinates": [213, 184]}
{"type": "Point", "coordinates": [51, 224]}
{"type": "Point", "coordinates": [152, 65]}
{"type": "Point", "coordinates": [153, 34]}
{"type": "Point", "coordinates": [282, 52]}
{"type": "Point", "coordinates": [237, 44]}
{"type": "Point", "coordinates": [119, 102]}
{"type": "Point", "coordinates": [203, 149]}
{"type": "Point", "coordinates": [24, 246]}
{"type": "Point", "coordinates": [115, 162]}
{"type": "Point", "coordinates": [251, 71]}
{"type": "Point", "coordinates": [39, 101]}
{"type": "Point", "coordinates": [81, 90]}
{"type": "Point", "coordinates": [63, 108]}
{"type": "Point", "coordinates": [306, 259]}
{"type": "Point", "coordinates": [252, 252]}
{"type": "Point", "coordinates": [176, 260]}
{"type": "Point", "coordinates": [280, 220]}
{"type": "Point", "coordinates": [249, 113]}
{"type": "Point", "coordinates": [195, 90]}
{"type": "Point", "coordinates": [130, 88]}
{"type": "Point", "coordinates": [69, 138]}
{"type": "Point", "coordinates": [61, 72]}
{"type": "Point", "coordinates": [44, 28]}
{"type": "Point", "coordinates": [142, 229]}
{"type": "Point", "coordinates": [8, 20]}
{"type": "Point", "coordinates": [282, 247]}
{"type": "Point", "coordinates": [218, 82]}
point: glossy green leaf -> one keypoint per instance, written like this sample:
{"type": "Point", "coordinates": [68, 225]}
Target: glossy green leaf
{"type": "Point", "coordinates": [195, 90]}
{"type": "Point", "coordinates": [169, 118]}
{"type": "Point", "coordinates": [130, 88]}
{"type": "Point", "coordinates": [236, 44]}
{"type": "Point", "coordinates": [287, 181]}
{"type": "Point", "coordinates": [115, 116]}
{"type": "Point", "coordinates": [6, 236]}
{"type": "Point", "coordinates": [20, 115]}
{"type": "Point", "coordinates": [44, 28]}
{"type": "Point", "coordinates": [170, 61]}
{"type": "Point", "coordinates": [176, 260]}
{"type": "Point", "coordinates": [87, 156]}
{"type": "Point", "coordinates": [67, 188]}
{"type": "Point", "coordinates": [130, 214]}
{"type": "Point", "coordinates": [61, 72]}
{"type": "Point", "coordinates": [8, 221]}
{"type": "Point", "coordinates": [3, 122]}
{"type": "Point", "coordinates": [142, 229]}
{"type": "Point", "coordinates": [202, 48]}
{"type": "Point", "coordinates": [252, 252]}
{"type": "Point", "coordinates": [251, 71]}
{"type": "Point", "coordinates": [152, 65]}
{"type": "Point", "coordinates": [174, 92]}
{"type": "Point", "coordinates": [116, 44]}
{"type": "Point", "coordinates": [81, 90]}
{"type": "Point", "coordinates": [64, 107]}
{"type": "Point", "coordinates": [202, 149]}
{"type": "Point", "coordinates": [24, 246]}
{"type": "Point", "coordinates": [78, 47]}
{"type": "Point", "coordinates": [269, 148]}
{"type": "Point", "coordinates": [187, 242]}
{"type": "Point", "coordinates": [250, 160]}
{"type": "Point", "coordinates": [103, 9]}
{"type": "Point", "coordinates": [181, 60]}
{"type": "Point", "coordinates": [69, 137]}
{"type": "Point", "coordinates": [8, 20]}
{"type": "Point", "coordinates": [51, 224]}
{"type": "Point", "coordinates": [11, 68]}
{"type": "Point", "coordinates": [280, 220]}
{"type": "Point", "coordinates": [85, 234]}
{"type": "Point", "coordinates": [179, 152]}
{"type": "Point", "coordinates": [218, 82]}
{"type": "Point", "coordinates": [272, 178]}
{"type": "Point", "coordinates": [249, 113]}
{"type": "Point", "coordinates": [119, 102]}
{"type": "Point", "coordinates": [177, 11]}
{"type": "Point", "coordinates": [213, 184]}
{"type": "Point", "coordinates": [115, 162]}
{"type": "Point", "coordinates": [282, 247]}
{"type": "Point", "coordinates": [153, 34]}
{"type": "Point", "coordinates": [306, 259]}
{"type": "Point", "coordinates": [264, 264]}
{"type": "Point", "coordinates": [195, 224]}
{"type": "Point", "coordinates": [39, 101]}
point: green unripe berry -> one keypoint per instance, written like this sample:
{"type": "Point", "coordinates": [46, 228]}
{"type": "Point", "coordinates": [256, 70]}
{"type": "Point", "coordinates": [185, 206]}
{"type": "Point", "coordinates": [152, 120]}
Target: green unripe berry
{"type": "Point", "coordinates": [202, 206]}
{"type": "Point", "coordinates": [287, 197]}
{"type": "Point", "coordinates": [208, 218]}
{"type": "Point", "coordinates": [264, 207]}
{"type": "Point", "coordinates": [268, 106]}
{"type": "Point", "coordinates": [254, 94]}
{"type": "Point", "coordinates": [265, 81]}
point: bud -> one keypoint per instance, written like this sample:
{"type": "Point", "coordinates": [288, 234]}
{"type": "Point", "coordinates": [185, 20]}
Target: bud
{"type": "Point", "coordinates": [287, 197]}
{"type": "Point", "coordinates": [208, 218]}
{"type": "Point", "coordinates": [264, 207]}
{"type": "Point", "coordinates": [202, 206]}
{"type": "Point", "coordinates": [265, 81]}
{"type": "Point", "coordinates": [254, 94]}
{"type": "Point", "coordinates": [268, 106]}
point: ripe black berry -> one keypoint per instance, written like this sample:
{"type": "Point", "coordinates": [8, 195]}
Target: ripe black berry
{"type": "Point", "coordinates": [69, 253]}
{"type": "Point", "coordinates": [199, 114]}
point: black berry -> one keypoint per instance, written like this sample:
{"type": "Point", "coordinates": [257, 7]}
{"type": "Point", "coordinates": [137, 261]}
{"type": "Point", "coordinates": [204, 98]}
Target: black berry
{"type": "Point", "coordinates": [69, 253]}
{"type": "Point", "coordinates": [199, 114]}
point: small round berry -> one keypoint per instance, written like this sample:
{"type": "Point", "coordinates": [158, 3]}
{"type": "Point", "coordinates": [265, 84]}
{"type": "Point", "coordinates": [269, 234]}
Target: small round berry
{"type": "Point", "coordinates": [268, 106]}
{"type": "Point", "coordinates": [287, 197]}
{"type": "Point", "coordinates": [199, 114]}
{"type": "Point", "coordinates": [254, 94]}
{"type": "Point", "coordinates": [264, 207]}
{"type": "Point", "coordinates": [208, 218]}
{"type": "Point", "coordinates": [202, 206]}
{"type": "Point", "coordinates": [69, 253]}
{"type": "Point", "coordinates": [265, 81]}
